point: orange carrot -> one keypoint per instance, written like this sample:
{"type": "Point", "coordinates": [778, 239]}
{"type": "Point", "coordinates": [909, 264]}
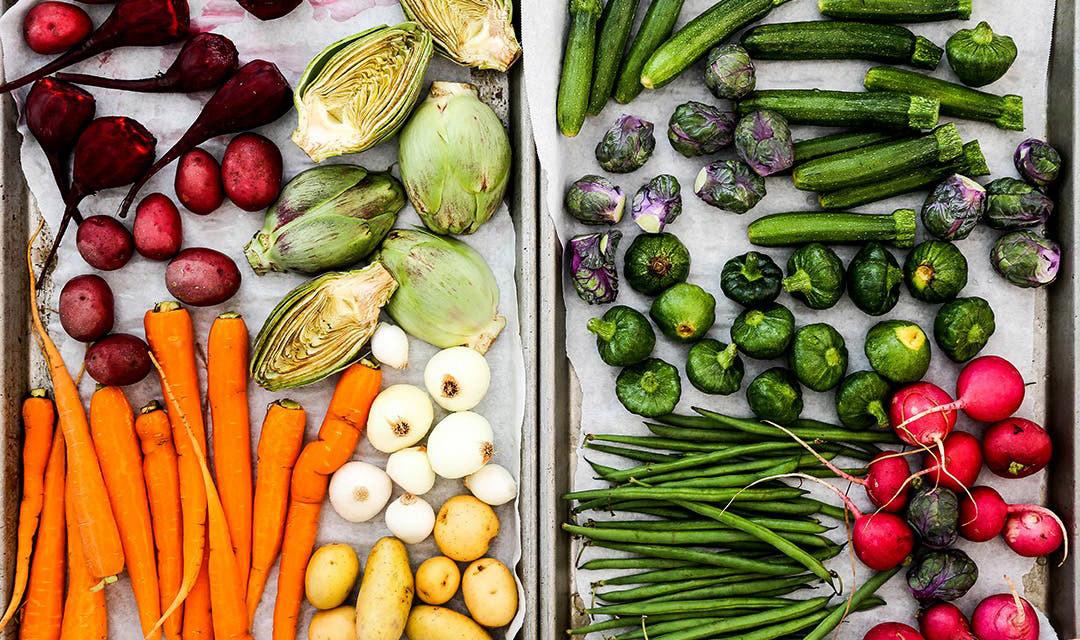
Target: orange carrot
{"type": "Point", "coordinates": [279, 444]}
{"type": "Point", "coordinates": [93, 515]}
{"type": "Point", "coordinates": [341, 429]}
{"type": "Point", "coordinates": [112, 427]}
{"type": "Point", "coordinates": [85, 615]}
{"type": "Point", "coordinates": [226, 388]}
{"type": "Point", "coordinates": [163, 492]}
{"type": "Point", "coordinates": [44, 608]}
{"type": "Point", "coordinates": [198, 622]}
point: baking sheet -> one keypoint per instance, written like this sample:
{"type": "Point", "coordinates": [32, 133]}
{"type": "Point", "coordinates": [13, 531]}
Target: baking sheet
{"type": "Point", "coordinates": [714, 236]}
{"type": "Point", "coordinates": [289, 42]}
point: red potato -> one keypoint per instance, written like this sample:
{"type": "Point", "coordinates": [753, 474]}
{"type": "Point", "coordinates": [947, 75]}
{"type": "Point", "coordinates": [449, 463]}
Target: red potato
{"type": "Point", "coordinates": [251, 170]}
{"type": "Point", "coordinates": [54, 27]}
{"type": "Point", "coordinates": [118, 360]}
{"type": "Point", "coordinates": [104, 242]}
{"type": "Point", "coordinates": [86, 307]}
{"type": "Point", "coordinates": [198, 182]}
{"type": "Point", "coordinates": [1016, 448]}
{"type": "Point", "coordinates": [158, 230]}
{"type": "Point", "coordinates": [202, 277]}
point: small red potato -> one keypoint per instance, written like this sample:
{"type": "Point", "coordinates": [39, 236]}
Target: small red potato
{"type": "Point", "coordinates": [198, 182]}
{"type": "Point", "coordinates": [104, 242]}
{"type": "Point", "coordinates": [158, 229]}
{"type": "Point", "coordinates": [118, 360]}
{"type": "Point", "coordinates": [202, 277]}
{"type": "Point", "coordinates": [251, 171]}
{"type": "Point", "coordinates": [54, 27]}
{"type": "Point", "coordinates": [86, 307]}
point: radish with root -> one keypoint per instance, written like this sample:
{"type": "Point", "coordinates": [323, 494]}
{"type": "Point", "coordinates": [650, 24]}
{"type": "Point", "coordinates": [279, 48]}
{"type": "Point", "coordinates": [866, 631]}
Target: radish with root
{"type": "Point", "coordinates": [892, 631]}
{"type": "Point", "coordinates": [962, 458]}
{"type": "Point", "coordinates": [56, 113]}
{"type": "Point", "coordinates": [982, 514]}
{"type": "Point", "coordinates": [1005, 616]}
{"type": "Point", "coordinates": [1016, 448]}
{"type": "Point", "coordinates": [52, 27]}
{"type": "Point", "coordinates": [1028, 529]}
{"type": "Point", "coordinates": [920, 415]}
{"type": "Point", "coordinates": [944, 621]}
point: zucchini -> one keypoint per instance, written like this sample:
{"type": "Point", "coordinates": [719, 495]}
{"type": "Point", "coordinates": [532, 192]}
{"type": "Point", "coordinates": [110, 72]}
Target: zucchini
{"type": "Point", "coordinates": [896, 10]}
{"type": "Point", "coordinates": [878, 162]}
{"type": "Point", "coordinates": [656, 26]}
{"type": "Point", "coordinates": [845, 108]}
{"type": "Point", "coordinates": [1007, 111]}
{"type": "Point", "coordinates": [577, 67]}
{"type": "Point", "coordinates": [615, 25]}
{"type": "Point", "coordinates": [829, 40]}
{"type": "Point", "coordinates": [806, 150]}
{"type": "Point", "coordinates": [696, 37]}
{"type": "Point", "coordinates": [835, 227]}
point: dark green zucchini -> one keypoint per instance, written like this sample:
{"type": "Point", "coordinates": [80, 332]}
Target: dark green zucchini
{"type": "Point", "coordinates": [577, 67]}
{"type": "Point", "coordinates": [835, 40]}
{"type": "Point", "coordinates": [845, 108]}
{"type": "Point", "coordinates": [806, 150]}
{"type": "Point", "coordinates": [1007, 111]}
{"type": "Point", "coordinates": [656, 26]}
{"type": "Point", "coordinates": [615, 25]}
{"type": "Point", "coordinates": [896, 10]}
{"type": "Point", "coordinates": [836, 227]}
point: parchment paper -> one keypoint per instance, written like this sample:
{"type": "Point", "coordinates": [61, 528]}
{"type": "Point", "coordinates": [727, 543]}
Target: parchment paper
{"type": "Point", "coordinates": [290, 42]}
{"type": "Point", "coordinates": [713, 236]}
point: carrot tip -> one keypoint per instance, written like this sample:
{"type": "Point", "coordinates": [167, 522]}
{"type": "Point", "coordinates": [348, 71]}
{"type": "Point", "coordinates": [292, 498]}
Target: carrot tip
{"type": "Point", "coordinates": [104, 583]}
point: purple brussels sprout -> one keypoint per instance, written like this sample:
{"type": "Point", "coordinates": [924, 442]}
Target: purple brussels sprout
{"type": "Point", "coordinates": [763, 141]}
{"type": "Point", "coordinates": [729, 72]}
{"type": "Point", "coordinates": [941, 575]}
{"type": "Point", "coordinates": [592, 266]}
{"type": "Point", "coordinates": [697, 129]}
{"type": "Point", "coordinates": [657, 204]}
{"type": "Point", "coordinates": [730, 185]}
{"type": "Point", "coordinates": [1014, 204]}
{"type": "Point", "coordinates": [595, 200]}
{"type": "Point", "coordinates": [1037, 162]}
{"type": "Point", "coordinates": [934, 514]}
{"type": "Point", "coordinates": [954, 207]}
{"type": "Point", "coordinates": [1026, 259]}
{"type": "Point", "coordinates": [626, 145]}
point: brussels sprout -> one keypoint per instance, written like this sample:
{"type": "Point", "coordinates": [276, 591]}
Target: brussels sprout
{"type": "Point", "coordinates": [764, 333]}
{"type": "Point", "coordinates": [626, 145]}
{"type": "Point", "coordinates": [729, 72]}
{"type": "Point", "coordinates": [684, 312]}
{"type": "Point", "coordinates": [954, 207]}
{"type": "Point", "coordinates": [815, 276]}
{"type": "Point", "coordinates": [1014, 204]}
{"type": "Point", "coordinates": [1026, 259]}
{"type": "Point", "coordinates": [763, 141]}
{"type": "Point", "coordinates": [979, 56]}
{"type": "Point", "coordinates": [898, 351]}
{"type": "Point", "coordinates": [595, 200]}
{"type": "Point", "coordinates": [935, 271]}
{"type": "Point", "coordinates": [654, 262]}
{"type": "Point", "coordinates": [657, 204]}
{"type": "Point", "coordinates": [819, 356]}
{"type": "Point", "coordinates": [775, 395]}
{"type": "Point", "coordinates": [752, 279]}
{"type": "Point", "coordinates": [1037, 162]}
{"type": "Point", "coordinates": [730, 185]}
{"type": "Point", "coordinates": [697, 129]}
{"type": "Point", "coordinates": [714, 367]}
{"type": "Point", "coordinates": [873, 279]}
{"type": "Point", "coordinates": [963, 327]}
{"type": "Point", "coordinates": [623, 336]}
{"type": "Point", "coordinates": [592, 266]}
{"type": "Point", "coordinates": [862, 401]}
{"type": "Point", "coordinates": [941, 575]}
{"type": "Point", "coordinates": [650, 388]}
{"type": "Point", "coordinates": [934, 514]}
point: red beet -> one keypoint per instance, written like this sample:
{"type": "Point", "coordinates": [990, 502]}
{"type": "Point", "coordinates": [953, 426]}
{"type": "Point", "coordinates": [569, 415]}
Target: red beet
{"type": "Point", "coordinates": [158, 230]}
{"type": "Point", "coordinates": [198, 182]}
{"type": "Point", "coordinates": [86, 307]}
{"type": "Point", "coordinates": [118, 360]}
{"type": "Point", "coordinates": [944, 621]}
{"type": "Point", "coordinates": [892, 631]}
{"type": "Point", "coordinates": [104, 243]}
{"type": "Point", "coordinates": [269, 9]}
{"type": "Point", "coordinates": [204, 63]}
{"type": "Point", "coordinates": [52, 27]}
{"type": "Point", "coordinates": [963, 461]}
{"type": "Point", "coordinates": [1016, 448]}
{"type": "Point", "coordinates": [982, 516]}
{"type": "Point", "coordinates": [56, 113]}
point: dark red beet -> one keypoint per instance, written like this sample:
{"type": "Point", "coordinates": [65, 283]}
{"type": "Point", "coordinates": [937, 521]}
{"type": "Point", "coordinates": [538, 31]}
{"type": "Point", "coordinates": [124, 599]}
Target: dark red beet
{"type": "Point", "coordinates": [56, 113]}
{"type": "Point", "coordinates": [204, 63]}
{"type": "Point", "coordinates": [983, 515]}
{"type": "Point", "coordinates": [118, 360]}
{"type": "Point", "coordinates": [944, 621]}
{"type": "Point", "coordinates": [198, 183]}
{"type": "Point", "coordinates": [86, 307]}
{"type": "Point", "coordinates": [963, 461]}
{"type": "Point", "coordinates": [104, 243]}
{"type": "Point", "coordinates": [158, 230]}
{"type": "Point", "coordinates": [269, 9]}
{"type": "Point", "coordinates": [52, 27]}
{"type": "Point", "coordinates": [1016, 448]}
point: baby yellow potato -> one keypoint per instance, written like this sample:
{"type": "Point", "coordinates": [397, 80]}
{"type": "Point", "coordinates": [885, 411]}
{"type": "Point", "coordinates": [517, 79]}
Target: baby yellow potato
{"type": "Point", "coordinates": [331, 574]}
{"type": "Point", "coordinates": [335, 624]}
{"type": "Point", "coordinates": [438, 623]}
{"type": "Point", "coordinates": [465, 528]}
{"type": "Point", "coordinates": [490, 592]}
{"type": "Point", "coordinates": [437, 580]}
{"type": "Point", "coordinates": [386, 592]}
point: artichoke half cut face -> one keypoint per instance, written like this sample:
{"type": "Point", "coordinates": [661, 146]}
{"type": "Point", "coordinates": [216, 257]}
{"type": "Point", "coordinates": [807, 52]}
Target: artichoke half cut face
{"type": "Point", "coordinates": [473, 33]}
{"type": "Point", "coordinates": [358, 91]}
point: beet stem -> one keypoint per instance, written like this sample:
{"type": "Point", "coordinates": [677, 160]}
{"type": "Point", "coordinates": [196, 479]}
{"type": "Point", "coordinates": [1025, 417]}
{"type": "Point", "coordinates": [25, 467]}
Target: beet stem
{"type": "Point", "coordinates": [194, 136]}
{"type": "Point", "coordinates": [97, 43]}
{"type": "Point", "coordinates": [71, 212]}
{"type": "Point", "coordinates": [157, 84]}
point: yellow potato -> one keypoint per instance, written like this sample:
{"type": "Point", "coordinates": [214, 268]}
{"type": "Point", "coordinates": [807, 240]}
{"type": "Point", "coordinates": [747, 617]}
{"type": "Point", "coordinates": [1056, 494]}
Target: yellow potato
{"type": "Point", "coordinates": [465, 528]}
{"type": "Point", "coordinates": [335, 624]}
{"type": "Point", "coordinates": [490, 592]}
{"type": "Point", "coordinates": [331, 574]}
{"type": "Point", "coordinates": [438, 623]}
{"type": "Point", "coordinates": [386, 592]}
{"type": "Point", "coordinates": [437, 580]}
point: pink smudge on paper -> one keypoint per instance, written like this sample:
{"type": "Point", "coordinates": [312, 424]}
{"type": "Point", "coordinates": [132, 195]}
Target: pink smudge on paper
{"type": "Point", "coordinates": [217, 13]}
{"type": "Point", "coordinates": [342, 10]}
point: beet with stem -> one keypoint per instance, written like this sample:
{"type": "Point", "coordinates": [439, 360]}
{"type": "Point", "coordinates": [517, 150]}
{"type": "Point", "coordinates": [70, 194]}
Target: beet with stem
{"type": "Point", "coordinates": [269, 9]}
{"type": "Point", "coordinates": [56, 113]}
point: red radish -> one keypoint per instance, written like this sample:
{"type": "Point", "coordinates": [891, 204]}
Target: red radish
{"type": "Point", "coordinates": [198, 182]}
{"type": "Point", "coordinates": [963, 461]}
{"type": "Point", "coordinates": [132, 23]}
{"type": "Point", "coordinates": [882, 541]}
{"type": "Point", "coordinates": [52, 27]}
{"type": "Point", "coordinates": [269, 9]}
{"type": "Point", "coordinates": [204, 63]}
{"type": "Point", "coordinates": [257, 94]}
{"type": "Point", "coordinates": [892, 631]}
{"type": "Point", "coordinates": [251, 171]}
{"type": "Point", "coordinates": [104, 243]}
{"type": "Point", "coordinates": [1005, 616]}
{"type": "Point", "coordinates": [918, 414]}
{"type": "Point", "coordinates": [886, 481]}
{"type": "Point", "coordinates": [1016, 448]}
{"type": "Point", "coordinates": [56, 113]}
{"type": "Point", "coordinates": [989, 388]}
{"type": "Point", "coordinates": [1033, 531]}
{"type": "Point", "coordinates": [944, 621]}
{"type": "Point", "coordinates": [86, 308]}
{"type": "Point", "coordinates": [983, 514]}
{"type": "Point", "coordinates": [158, 230]}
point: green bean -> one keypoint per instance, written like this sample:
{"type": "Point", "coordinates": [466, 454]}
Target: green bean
{"type": "Point", "coordinates": [699, 435]}
{"type": "Point", "coordinates": [677, 574]}
{"type": "Point", "coordinates": [639, 455]}
{"type": "Point", "coordinates": [836, 615]}
{"type": "Point", "coordinates": [701, 557]}
{"type": "Point", "coordinates": [605, 625]}
{"type": "Point", "coordinates": [735, 479]}
{"type": "Point", "coordinates": [702, 459]}
{"type": "Point", "coordinates": [842, 450]}
{"type": "Point", "coordinates": [652, 443]}
{"type": "Point", "coordinates": [599, 469]}
{"type": "Point", "coordinates": [823, 432]}
{"type": "Point", "coordinates": [755, 464]}
{"type": "Point", "coordinates": [834, 512]}
{"type": "Point", "coordinates": [780, 622]}
{"type": "Point", "coordinates": [690, 606]}
{"type": "Point", "coordinates": [761, 587]}
{"type": "Point", "coordinates": [599, 564]}
{"type": "Point", "coordinates": [667, 588]}
{"type": "Point", "coordinates": [776, 524]}
{"type": "Point", "coordinates": [792, 507]}
{"type": "Point", "coordinates": [652, 630]}
{"type": "Point", "coordinates": [827, 473]}
{"type": "Point", "coordinates": [689, 421]}
{"type": "Point", "coordinates": [718, 537]}
{"type": "Point", "coordinates": [704, 495]}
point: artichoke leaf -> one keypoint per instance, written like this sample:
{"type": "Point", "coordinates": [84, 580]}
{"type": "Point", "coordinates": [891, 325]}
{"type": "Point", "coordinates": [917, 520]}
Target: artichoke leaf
{"type": "Point", "coordinates": [472, 33]}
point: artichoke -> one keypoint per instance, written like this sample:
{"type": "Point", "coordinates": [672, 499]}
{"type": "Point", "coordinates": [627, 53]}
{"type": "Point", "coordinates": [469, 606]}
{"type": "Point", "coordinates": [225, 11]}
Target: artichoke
{"type": "Point", "coordinates": [592, 266]}
{"type": "Point", "coordinates": [326, 218]}
{"type": "Point", "coordinates": [697, 129]}
{"type": "Point", "coordinates": [934, 514]}
{"type": "Point", "coordinates": [763, 141]}
{"type": "Point", "coordinates": [626, 145]}
{"type": "Point", "coordinates": [595, 200]}
{"type": "Point", "coordinates": [942, 575]}
{"type": "Point", "coordinates": [657, 204]}
{"type": "Point", "coordinates": [320, 327]}
{"type": "Point", "coordinates": [1014, 204]}
{"type": "Point", "coordinates": [358, 91]}
{"type": "Point", "coordinates": [730, 185]}
{"type": "Point", "coordinates": [729, 72]}
{"type": "Point", "coordinates": [473, 33]}
{"type": "Point", "coordinates": [954, 207]}
{"type": "Point", "coordinates": [1026, 259]}
{"type": "Point", "coordinates": [455, 159]}
{"type": "Point", "coordinates": [979, 56]}
{"type": "Point", "coordinates": [1037, 162]}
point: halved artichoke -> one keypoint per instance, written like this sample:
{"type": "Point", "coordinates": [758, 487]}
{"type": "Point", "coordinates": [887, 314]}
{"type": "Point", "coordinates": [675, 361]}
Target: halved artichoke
{"type": "Point", "coordinates": [358, 91]}
{"type": "Point", "coordinates": [320, 327]}
{"type": "Point", "coordinates": [473, 33]}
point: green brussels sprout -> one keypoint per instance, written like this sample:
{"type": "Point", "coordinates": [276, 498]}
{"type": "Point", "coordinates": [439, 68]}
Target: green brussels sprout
{"type": "Point", "coordinates": [934, 514]}
{"type": "Point", "coordinates": [627, 145]}
{"type": "Point", "coordinates": [979, 56]}
{"type": "Point", "coordinates": [657, 204]}
{"type": "Point", "coordinates": [815, 276]}
{"type": "Point", "coordinates": [697, 129]}
{"type": "Point", "coordinates": [954, 207]}
{"type": "Point", "coordinates": [963, 326]}
{"type": "Point", "coordinates": [819, 356]}
{"type": "Point", "coordinates": [1026, 259]}
{"type": "Point", "coordinates": [941, 575]}
{"type": "Point", "coordinates": [592, 266]}
{"type": "Point", "coordinates": [684, 312]}
{"type": "Point", "coordinates": [623, 336]}
{"type": "Point", "coordinates": [763, 141]}
{"type": "Point", "coordinates": [752, 279]}
{"type": "Point", "coordinates": [1037, 161]}
{"type": "Point", "coordinates": [935, 271]}
{"type": "Point", "coordinates": [775, 396]}
{"type": "Point", "coordinates": [729, 72]}
{"type": "Point", "coordinates": [654, 262]}
{"type": "Point", "coordinates": [1014, 204]}
{"type": "Point", "coordinates": [650, 388]}
{"type": "Point", "coordinates": [714, 367]}
{"type": "Point", "coordinates": [595, 200]}
{"type": "Point", "coordinates": [873, 279]}
{"type": "Point", "coordinates": [730, 185]}
{"type": "Point", "coordinates": [898, 350]}
{"type": "Point", "coordinates": [862, 401]}
{"type": "Point", "coordinates": [765, 332]}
